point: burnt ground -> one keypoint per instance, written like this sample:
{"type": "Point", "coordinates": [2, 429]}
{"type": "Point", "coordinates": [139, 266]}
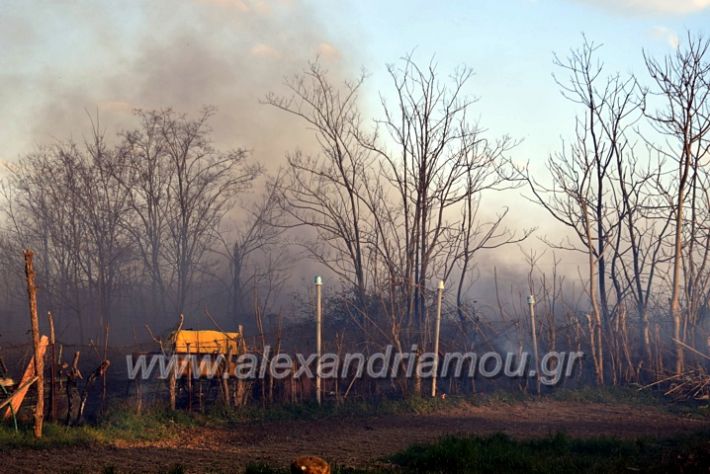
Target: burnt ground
{"type": "Point", "coordinates": [355, 442]}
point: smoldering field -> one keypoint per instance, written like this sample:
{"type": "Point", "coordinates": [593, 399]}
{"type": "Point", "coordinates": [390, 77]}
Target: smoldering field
{"type": "Point", "coordinates": [142, 203]}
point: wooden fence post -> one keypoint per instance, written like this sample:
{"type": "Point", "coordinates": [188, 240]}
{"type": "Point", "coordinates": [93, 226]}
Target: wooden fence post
{"type": "Point", "coordinates": [38, 359]}
{"type": "Point", "coordinates": [533, 329]}
{"type": "Point", "coordinates": [52, 370]}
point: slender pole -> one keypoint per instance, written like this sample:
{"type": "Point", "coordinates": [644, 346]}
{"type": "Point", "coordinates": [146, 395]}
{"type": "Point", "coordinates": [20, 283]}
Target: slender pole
{"type": "Point", "coordinates": [52, 370]}
{"type": "Point", "coordinates": [439, 297]}
{"type": "Point", "coordinates": [39, 362]}
{"type": "Point", "coordinates": [533, 328]}
{"type": "Point", "coordinates": [189, 378]}
{"type": "Point", "coordinates": [319, 324]}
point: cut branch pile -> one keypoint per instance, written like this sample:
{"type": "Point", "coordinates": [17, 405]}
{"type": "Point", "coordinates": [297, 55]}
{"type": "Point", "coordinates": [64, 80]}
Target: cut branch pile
{"type": "Point", "coordinates": [691, 385]}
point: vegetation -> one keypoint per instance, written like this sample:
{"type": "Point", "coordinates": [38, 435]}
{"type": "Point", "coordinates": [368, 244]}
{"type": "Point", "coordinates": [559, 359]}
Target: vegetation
{"type": "Point", "coordinates": [558, 453]}
{"type": "Point", "coordinates": [121, 423]}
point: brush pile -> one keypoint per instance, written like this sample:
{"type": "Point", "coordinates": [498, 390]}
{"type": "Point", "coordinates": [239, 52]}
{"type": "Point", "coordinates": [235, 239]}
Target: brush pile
{"type": "Point", "coordinates": [691, 385]}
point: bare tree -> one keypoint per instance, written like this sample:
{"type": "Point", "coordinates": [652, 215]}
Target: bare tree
{"type": "Point", "coordinates": [104, 203]}
{"type": "Point", "coordinates": [66, 200]}
{"type": "Point", "coordinates": [473, 235]}
{"type": "Point", "coordinates": [324, 192]}
{"type": "Point", "coordinates": [145, 173]}
{"type": "Point", "coordinates": [580, 189]}
{"type": "Point", "coordinates": [202, 184]}
{"type": "Point", "coordinates": [440, 162]}
{"type": "Point", "coordinates": [637, 257]}
{"type": "Point", "coordinates": [260, 234]}
{"type": "Point", "coordinates": [682, 83]}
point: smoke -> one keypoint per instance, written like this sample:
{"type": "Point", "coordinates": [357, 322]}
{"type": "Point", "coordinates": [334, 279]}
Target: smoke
{"type": "Point", "coordinates": [66, 63]}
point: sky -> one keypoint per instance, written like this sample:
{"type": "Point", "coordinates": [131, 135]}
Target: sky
{"type": "Point", "coordinates": [63, 62]}
{"type": "Point", "coordinates": [60, 60]}
{"type": "Point", "coordinates": [510, 46]}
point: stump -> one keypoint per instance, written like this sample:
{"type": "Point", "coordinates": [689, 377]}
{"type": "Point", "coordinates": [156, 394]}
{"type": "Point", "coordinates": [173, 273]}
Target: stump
{"type": "Point", "coordinates": [310, 465]}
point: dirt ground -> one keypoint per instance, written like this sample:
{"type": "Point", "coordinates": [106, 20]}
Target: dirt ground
{"type": "Point", "coordinates": [356, 442]}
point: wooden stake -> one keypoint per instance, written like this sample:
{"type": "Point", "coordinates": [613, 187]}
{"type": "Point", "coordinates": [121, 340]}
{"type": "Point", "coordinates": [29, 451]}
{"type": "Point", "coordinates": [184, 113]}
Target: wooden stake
{"type": "Point", "coordinates": [73, 375]}
{"type": "Point", "coordinates": [189, 378]}
{"type": "Point", "coordinates": [100, 370]}
{"type": "Point", "coordinates": [172, 382]}
{"type": "Point", "coordinates": [38, 359]}
{"type": "Point", "coordinates": [103, 373]}
{"type": "Point", "coordinates": [533, 328]}
{"type": "Point", "coordinates": [225, 376]}
{"type": "Point", "coordinates": [21, 390]}
{"type": "Point", "coordinates": [52, 370]}
{"type": "Point", "coordinates": [240, 391]}
{"type": "Point", "coordinates": [139, 395]}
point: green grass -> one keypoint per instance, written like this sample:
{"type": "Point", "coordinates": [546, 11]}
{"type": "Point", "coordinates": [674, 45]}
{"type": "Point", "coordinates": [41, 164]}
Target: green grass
{"type": "Point", "coordinates": [553, 454]}
{"type": "Point", "coordinates": [558, 453]}
{"type": "Point", "coordinates": [608, 394]}
{"type": "Point", "coordinates": [121, 424]}
{"type": "Point", "coordinates": [634, 397]}
{"type": "Point", "coordinates": [619, 395]}
{"type": "Point", "coordinates": [54, 436]}
{"type": "Point", "coordinates": [313, 411]}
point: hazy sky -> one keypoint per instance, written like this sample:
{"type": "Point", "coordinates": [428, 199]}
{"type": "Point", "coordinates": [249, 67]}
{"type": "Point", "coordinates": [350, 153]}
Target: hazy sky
{"type": "Point", "coordinates": [60, 60]}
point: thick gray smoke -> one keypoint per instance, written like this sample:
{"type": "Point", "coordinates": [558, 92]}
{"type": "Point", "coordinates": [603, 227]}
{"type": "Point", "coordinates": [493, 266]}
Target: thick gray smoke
{"type": "Point", "coordinates": [63, 62]}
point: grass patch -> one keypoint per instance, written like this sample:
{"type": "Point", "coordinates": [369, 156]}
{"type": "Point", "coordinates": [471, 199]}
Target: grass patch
{"type": "Point", "coordinates": [54, 436]}
{"type": "Point", "coordinates": [313, 411]}
{"type": "Point", "coordinates": [634, 397]}
{"type": "Point", "coordinates": [120, 425]}
{"type": "Point", "coordinates": [502, 397]}
{"type": "Point", "coordinates": [126, 425]}
{"type": "Point", "coordinates": [559, 453]}
{"type": "Point", "coordinates": [609, 395]}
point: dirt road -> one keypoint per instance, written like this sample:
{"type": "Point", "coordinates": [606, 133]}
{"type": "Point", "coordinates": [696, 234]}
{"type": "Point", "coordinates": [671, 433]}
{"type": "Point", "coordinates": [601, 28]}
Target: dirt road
{"type": "Point", "coordinates": [357, 442]}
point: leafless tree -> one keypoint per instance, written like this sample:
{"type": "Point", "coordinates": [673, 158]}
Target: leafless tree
{"type": "Point", "coordinates": [144, 171]}
{"type": "Point", "coordinates": [324, 192]}
{"type": "Point", "coordinates": [260, 233]}
{"type": "Point", "coordinates": [579, 192]}
{"type": "Point", "coordinates": [202, 184]}
{"type": "Point", "coordinates": [637, 257]}
{"type": "Point", "coordinates": [68, 203]}
{"type": "Point", "coordinates": [439, 162]}
{"type": "Point", "coordinates": [682, 83]}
